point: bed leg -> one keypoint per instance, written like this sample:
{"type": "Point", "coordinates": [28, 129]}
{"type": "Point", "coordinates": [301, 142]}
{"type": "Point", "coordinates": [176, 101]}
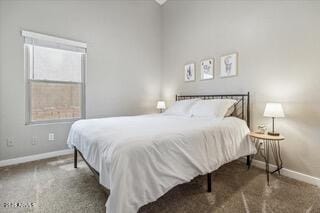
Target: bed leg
{"type": "Point", "coordinates": [209, 182]}
{"type": "Point", "coordinates": [75, 162]}
{"type": "Point", "coordinates": [249, 161]}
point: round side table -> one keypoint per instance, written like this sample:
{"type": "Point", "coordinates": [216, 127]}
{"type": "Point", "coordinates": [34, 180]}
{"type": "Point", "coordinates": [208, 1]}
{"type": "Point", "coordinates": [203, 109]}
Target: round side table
{"type": "Point", "coordinates": [268, 142]}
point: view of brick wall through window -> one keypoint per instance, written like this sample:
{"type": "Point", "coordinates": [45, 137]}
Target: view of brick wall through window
{"type": "Point", "coordinates": [54, 101]}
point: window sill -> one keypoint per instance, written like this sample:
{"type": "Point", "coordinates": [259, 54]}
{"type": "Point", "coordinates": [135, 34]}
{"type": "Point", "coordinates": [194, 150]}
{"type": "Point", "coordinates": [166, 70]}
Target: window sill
{"type": "Point", "coordinates": [54, 122]}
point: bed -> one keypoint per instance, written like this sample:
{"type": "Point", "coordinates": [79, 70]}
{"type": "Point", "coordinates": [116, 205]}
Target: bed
{"type": "Point", "coordinates": [140, 158]}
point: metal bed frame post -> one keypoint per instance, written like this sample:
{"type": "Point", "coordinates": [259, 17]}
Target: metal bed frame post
{"type": "Point", "coordinates": [249, 160]}
{"type": "Point", "coordinates": [75, 159]}
{"type": "Point", "coordinates": [209, 181]}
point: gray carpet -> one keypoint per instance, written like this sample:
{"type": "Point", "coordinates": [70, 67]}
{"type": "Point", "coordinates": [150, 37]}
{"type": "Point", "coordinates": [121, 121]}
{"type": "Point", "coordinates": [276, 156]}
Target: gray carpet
{"type": "Point", "coordinates": [53, 185]}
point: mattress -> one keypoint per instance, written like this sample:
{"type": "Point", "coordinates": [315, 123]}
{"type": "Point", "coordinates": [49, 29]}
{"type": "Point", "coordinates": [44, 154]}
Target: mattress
{"type": "Point", "coordinates": [140, 158]}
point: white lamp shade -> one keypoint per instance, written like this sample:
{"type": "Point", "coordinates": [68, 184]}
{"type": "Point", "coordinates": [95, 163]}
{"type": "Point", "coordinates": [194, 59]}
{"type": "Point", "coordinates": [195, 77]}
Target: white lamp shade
{"type": "Point", "coordinates": [161, 105]}
{"type": "Point", "coordinates": [274, 110]}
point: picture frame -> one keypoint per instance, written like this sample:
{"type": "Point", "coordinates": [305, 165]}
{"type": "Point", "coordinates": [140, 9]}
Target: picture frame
{"type": "Point", "coordinates": [207, 69]}
{"type": "Point", "coordinates": [229, 65]}
{"type": "Point", "coordinates": [189, 72]}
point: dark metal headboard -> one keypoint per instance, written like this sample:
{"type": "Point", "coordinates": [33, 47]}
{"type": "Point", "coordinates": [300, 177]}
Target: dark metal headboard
{"type": "Point", "coordinates": [242, 106]}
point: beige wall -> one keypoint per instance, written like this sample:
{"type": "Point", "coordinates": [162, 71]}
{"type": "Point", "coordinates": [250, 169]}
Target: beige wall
{"type": "Point", "coordinates": [279, 50]}
{"type": "Point", "coordinates": [123, 69]}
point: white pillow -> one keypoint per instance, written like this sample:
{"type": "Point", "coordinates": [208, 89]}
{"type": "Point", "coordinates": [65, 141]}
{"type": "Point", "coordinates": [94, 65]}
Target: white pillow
{"type": "Point", "coordinates": [181, 107]}
{"type": "Point", "coordinates": [216, 108]}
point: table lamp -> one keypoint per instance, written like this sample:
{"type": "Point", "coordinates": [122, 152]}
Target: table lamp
{"type": "Point", "coordinates": [161, 105]}
{"type": "Point", "coordinates": [273, 110]}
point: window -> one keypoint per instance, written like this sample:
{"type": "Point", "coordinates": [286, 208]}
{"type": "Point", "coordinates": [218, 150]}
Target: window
{"type": "Point", "coordinates": [55, 80]}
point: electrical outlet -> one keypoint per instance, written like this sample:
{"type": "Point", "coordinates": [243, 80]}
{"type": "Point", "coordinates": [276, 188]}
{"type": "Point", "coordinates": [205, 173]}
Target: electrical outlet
{"type": "Point", "coordinates": [10, 142]}
{"type": "Point", "coordinates": [34, 140]}
{"type": "Point", "coordinates": [51, 137]}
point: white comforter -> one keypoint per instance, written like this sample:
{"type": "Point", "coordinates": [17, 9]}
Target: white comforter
{"type": "Point", "coordinates": [140, 158]}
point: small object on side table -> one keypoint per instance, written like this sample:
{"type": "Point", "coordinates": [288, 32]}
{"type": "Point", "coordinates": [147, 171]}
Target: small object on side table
{"type": "Point", "coordinates": [268, 141]}
{"type": "Point", "coordinates": [261, 129]}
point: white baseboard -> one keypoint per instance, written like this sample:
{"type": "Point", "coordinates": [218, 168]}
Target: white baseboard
{"type": "Point", "coordinates": [29, 158]}
{"type": "Point", "coordinates": [289, 173]}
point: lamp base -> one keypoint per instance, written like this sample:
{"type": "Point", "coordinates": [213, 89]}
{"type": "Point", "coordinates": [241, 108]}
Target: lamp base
{"type": "Point", "coordinates": [274, 133]}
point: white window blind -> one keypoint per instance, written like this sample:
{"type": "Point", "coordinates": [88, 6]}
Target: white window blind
{"type": "Point", "coordinates": [55, 81]}
{"type": "Point", "coordinates": [56, 65]}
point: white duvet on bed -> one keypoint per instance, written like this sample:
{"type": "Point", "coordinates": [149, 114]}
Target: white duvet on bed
{"type": "Point", "coordinates": [140, 158]}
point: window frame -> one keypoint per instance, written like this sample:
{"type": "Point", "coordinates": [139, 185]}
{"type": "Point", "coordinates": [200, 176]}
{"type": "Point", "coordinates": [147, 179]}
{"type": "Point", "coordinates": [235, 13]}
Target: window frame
{"type": "Point", "coordinates": [28, 81]}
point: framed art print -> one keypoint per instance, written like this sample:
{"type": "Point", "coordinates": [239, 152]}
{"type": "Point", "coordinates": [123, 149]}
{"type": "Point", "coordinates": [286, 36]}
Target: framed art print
{"type": "Point", "coordinates": [189, 72]}
{"type": "Point", "coordinates": [229, 65]}
{"type": "Point", "coordinates": [207, 68]}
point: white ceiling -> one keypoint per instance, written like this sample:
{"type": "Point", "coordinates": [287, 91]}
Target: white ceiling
{"type": "Point", "coordinates": [161, 2]}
